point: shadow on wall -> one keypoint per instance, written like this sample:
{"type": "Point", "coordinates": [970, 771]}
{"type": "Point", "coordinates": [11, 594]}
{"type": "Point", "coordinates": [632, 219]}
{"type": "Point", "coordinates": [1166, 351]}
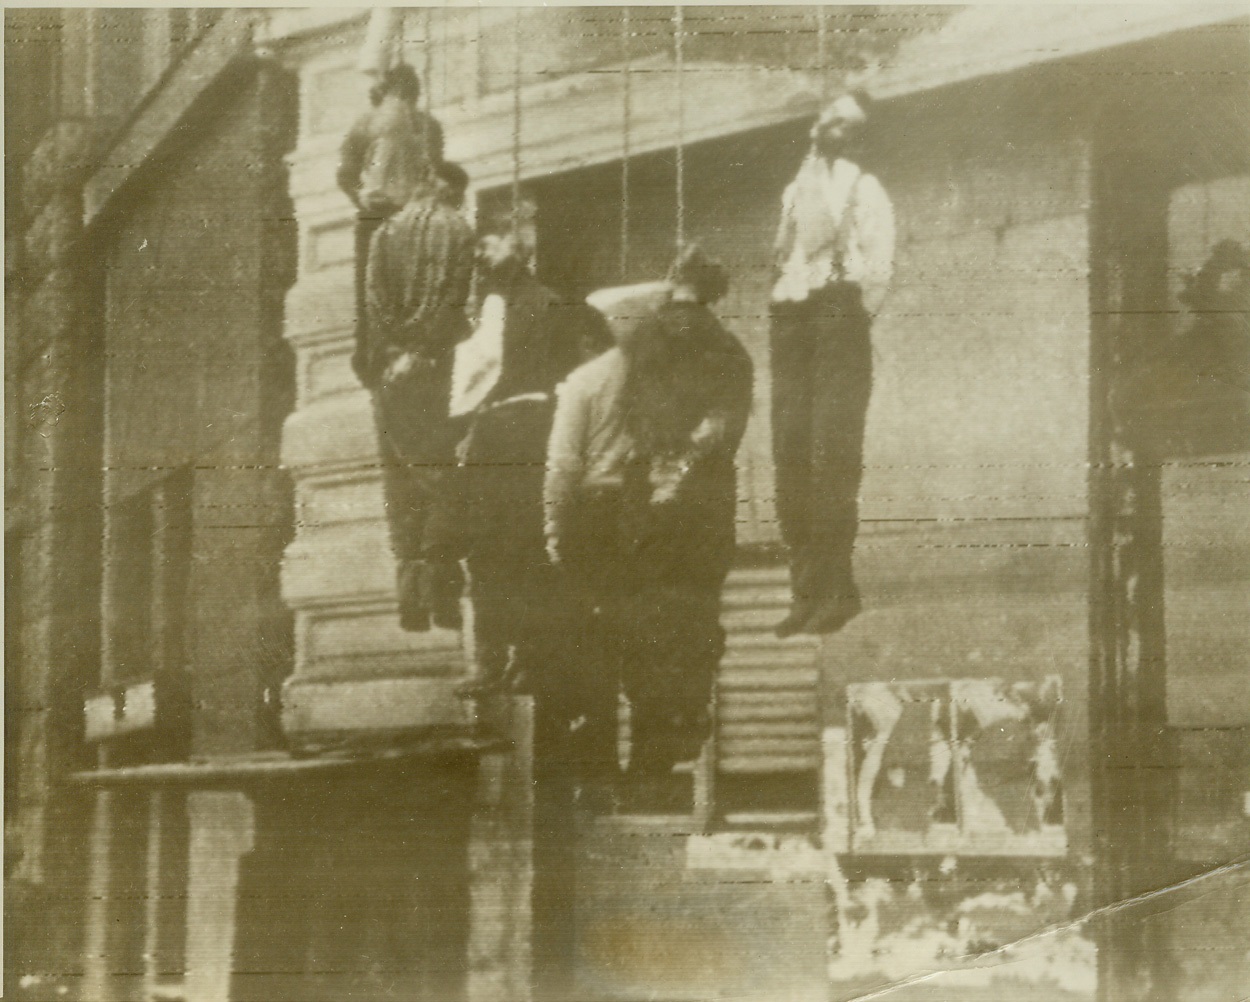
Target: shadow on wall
{"type": "Point", "coordinates": [1189, 395]}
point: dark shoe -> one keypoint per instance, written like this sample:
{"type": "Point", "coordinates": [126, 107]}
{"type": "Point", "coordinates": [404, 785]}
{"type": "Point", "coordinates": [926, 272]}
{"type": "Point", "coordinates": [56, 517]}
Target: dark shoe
{"type": "Point", "coordinates": [794, 623]}
{"type": "Point", "coordinates": [414, 616]}
{"type": "Point", "coordinates": [835, 614]}
{"type": "Point", "coordinates": [441, 584]}
{"type": "Point", "coordinates": [414, 619]}
{"type": "Point", "coordinates": [520, 682]}
{"type": "Point", "coordinates": [481, 686]}
{"type": "Point", "coordinates": [447, 616]}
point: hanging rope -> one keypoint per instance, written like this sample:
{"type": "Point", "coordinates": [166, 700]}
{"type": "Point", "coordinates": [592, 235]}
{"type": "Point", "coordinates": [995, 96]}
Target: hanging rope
{"type": "Point", "coordinates": [516, 126]}
{"type": "Point", "coordinates": [427, 67]}
{"type": "Point", "coordinates": [427, 45]}
{"type": "Point", "coordinates": [679, 67]}
{"type": "Point", "coordinates": [626, 123]}
{"type": "Point", "coordinates": [822, 52]}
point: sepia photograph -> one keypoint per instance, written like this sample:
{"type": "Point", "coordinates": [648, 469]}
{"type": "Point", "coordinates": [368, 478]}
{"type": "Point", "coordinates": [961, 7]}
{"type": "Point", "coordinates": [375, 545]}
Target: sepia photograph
{"type": "Point", "coordinates": [658, 503]}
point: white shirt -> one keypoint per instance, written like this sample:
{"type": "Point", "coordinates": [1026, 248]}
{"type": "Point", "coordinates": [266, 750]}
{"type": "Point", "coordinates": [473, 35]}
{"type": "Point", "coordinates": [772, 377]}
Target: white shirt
{"type": "Point", "coordinates": [479, 359]}
{"type": "Point", "coordinates": [589, 445]}
{"type": "Point", "coordinates": [853, 242]}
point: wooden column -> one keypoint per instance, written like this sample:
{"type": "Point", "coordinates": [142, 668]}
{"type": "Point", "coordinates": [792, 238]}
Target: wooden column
{"type": "Point", "coordinates": [1132, 784]}
{"type": "Point", "coordinates": [501, 862]}
{"type": "Point", "coordinates": [355, 669]}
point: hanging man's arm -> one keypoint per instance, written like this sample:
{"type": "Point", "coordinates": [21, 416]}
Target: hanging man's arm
{"type": "Point", "coordinates": [448, 323]}
{"type": "Point", "coordinates": [722, 430]}
{"type": "Point", "coordinates": [738, 403]}
{"type": "Point", "coordinates": [783, 244]}
{"type": "Point", "coordinates": [431, 133]}
{"type": "Point", "coordinates": [381, 348]}
{"type": "Point", "coordinates": [441, 278]}
{"type": "Point", "coordinates": [460, 284]}
{"type": "Point", "coordinates": [352, 155]}
{"type": "Point", "coordinates": [566, 450]}
{"type": "Point", "coordinates": [874, 232]}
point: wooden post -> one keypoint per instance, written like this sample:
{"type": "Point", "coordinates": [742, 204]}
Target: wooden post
{"type": "Point", "coordinates": [95, 944]}
{"type": "Point", "coordinates": [501, 859]}
{"type": "Point", "coordinates": [1132, 796]}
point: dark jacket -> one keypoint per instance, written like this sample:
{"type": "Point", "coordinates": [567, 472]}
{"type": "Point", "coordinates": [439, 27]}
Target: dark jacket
{"type": "Point", "coordinates": [545, 337]}
{"type": "Point", "coordinates": [498, 512]}
{"type": "Point", "coordinates": [420, 271]}
{"type": "Point", "coordinates": [685, 368]}
{"type": "Point", "coordinates": [687, 399]}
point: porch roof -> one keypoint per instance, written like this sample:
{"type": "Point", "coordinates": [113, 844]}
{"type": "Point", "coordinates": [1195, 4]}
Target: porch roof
{"type": "Point", "coordinates": [237, 771]}
{"type": "Point", "coordinates": [575, 120]}
{"type": "Point", "coordinates": [990, 39]}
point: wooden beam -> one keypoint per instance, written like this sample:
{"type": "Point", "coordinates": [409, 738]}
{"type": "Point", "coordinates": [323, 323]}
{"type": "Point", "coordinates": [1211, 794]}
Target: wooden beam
{"type": "Point", "coordinates": [238, 771]}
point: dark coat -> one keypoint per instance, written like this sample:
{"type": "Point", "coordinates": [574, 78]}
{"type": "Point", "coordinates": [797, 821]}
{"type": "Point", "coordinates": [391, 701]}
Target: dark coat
{"type": "Point", "coordinates": [495, 512]}
{"type": "Point", "coordinates": [420, 271]}
{"type": "Point", "coordinates": [685, 368]}
{"type": "Point", "coordinates": [545, 337]}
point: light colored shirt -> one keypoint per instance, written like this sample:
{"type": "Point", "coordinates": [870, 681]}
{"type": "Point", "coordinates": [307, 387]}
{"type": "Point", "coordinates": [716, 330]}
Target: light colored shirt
{"type": "Point", "coordinates": [625, 306]}
{"type": "Point", "coordinates": [389, 155]}
{"type": "Point", "coordinates": [479, 359]}
{"type": "Point", "coordinates": [837, 223]}
{"type": "Point", "coordinates": [589, 446]}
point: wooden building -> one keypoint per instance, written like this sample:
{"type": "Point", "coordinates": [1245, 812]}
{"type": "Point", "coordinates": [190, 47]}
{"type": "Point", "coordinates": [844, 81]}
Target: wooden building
{"type": "Point", "coordinates": [1042, 711]}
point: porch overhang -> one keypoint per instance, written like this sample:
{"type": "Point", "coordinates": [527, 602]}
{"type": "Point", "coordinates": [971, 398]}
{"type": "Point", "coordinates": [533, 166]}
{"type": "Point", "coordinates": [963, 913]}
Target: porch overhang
{"type": "Point", "coordinates": [988, 40]}
{"type": "Point", "coordinates": [576, 121]}
{"type": "Point", "coordinates": [241, 771]}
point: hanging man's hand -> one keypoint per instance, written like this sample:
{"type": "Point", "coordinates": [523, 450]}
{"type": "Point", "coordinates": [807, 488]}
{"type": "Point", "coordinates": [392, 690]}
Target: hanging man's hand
{"type": "Point", "coordinates": [404, 363]}
{"type": "Point", "coordinates": [399, 366]}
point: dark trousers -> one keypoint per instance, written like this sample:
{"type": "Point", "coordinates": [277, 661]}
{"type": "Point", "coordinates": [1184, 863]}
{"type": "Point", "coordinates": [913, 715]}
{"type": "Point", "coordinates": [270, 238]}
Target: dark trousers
{"type": "Point", "coordinates": [491, 511]}
{"type": "Point", "coordinates": [654, 575]}
{"type": "Point", "coordinates": [822, 379]}
{"type": "Point", "coordinates": [367, 223]}
{"type": "Point", "coordinates": [594, 567]}
{"type": "Point", "coordinates": [416, 450]}
{"type": "Point", "coordinates": [517, 616]}
{"type": "Point", "coordinates": [671, 634]}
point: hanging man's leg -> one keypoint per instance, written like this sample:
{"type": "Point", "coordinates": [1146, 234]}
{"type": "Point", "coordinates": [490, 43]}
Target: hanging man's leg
{"type": "Point", "coordinates": [792, 349]}
{"type": "Point", "coordinates": [402, 495]}
{"type": "Point", "coordinates": [366, 226]}
{"type": "Point", "coordinates": [447, 534]}
{"type": "Point", "coordinates": [488, 589]}
{"type": "Point", "coordinates": [413, 417]}
{"type": "Point", "coordinates": [843, 373]}
{"type": "Point", "coordinates": [596, 569]}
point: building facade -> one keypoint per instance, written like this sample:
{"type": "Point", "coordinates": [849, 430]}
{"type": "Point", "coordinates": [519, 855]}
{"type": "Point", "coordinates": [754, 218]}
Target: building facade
{"type": "Point", "coordinates": [232, 776]}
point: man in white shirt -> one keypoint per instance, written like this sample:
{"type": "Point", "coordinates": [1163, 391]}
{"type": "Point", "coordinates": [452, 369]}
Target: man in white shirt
{"type": "Point", "coordinates": [835, 256]}
{"type": "Point", "coordinates": [490, 512]}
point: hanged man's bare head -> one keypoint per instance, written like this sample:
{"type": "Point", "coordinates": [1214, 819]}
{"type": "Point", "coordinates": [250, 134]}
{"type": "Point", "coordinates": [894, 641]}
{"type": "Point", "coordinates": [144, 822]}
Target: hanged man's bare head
{"type": "Point", "coordinates": [840, 126]}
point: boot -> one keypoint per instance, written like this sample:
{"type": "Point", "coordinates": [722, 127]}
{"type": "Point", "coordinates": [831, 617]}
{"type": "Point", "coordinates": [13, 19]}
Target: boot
{"type": "Point", "coordinates": [802, 606]}
{"type": "Point", "coordinates": [487, 676]}
{"type": "Point", "coordinates": [481, 685]}
{"type": "Point", "coordinates": [414, 616]}
{"type": "Point", "coordinates": [795, 621]}
{"type": "Point", "coordinates": [441, 583]}
{"type": "Point", "coordinates": [835, 613]}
